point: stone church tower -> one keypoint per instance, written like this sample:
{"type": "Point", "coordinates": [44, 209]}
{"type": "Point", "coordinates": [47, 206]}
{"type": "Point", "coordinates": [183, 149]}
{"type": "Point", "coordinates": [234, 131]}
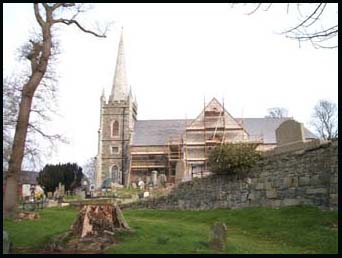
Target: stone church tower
{"type": "Point", "coordinates": [117, 118]}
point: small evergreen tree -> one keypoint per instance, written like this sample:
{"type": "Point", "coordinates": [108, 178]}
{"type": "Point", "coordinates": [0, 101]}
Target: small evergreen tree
{"type": "Point", "coordinates": [70, 175]}
{"type": "Point", "coordinates": [230, 158]}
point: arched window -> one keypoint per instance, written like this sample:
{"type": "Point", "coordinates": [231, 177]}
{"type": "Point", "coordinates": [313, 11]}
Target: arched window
{"type": "Point", "coordinates": [115, 128]}
{"type": "Point", "coordinates": [115, 174]}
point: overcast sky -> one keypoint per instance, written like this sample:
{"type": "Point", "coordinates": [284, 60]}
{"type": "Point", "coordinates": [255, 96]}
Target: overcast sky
{"type": "Point", "coordinates": [177, 55]}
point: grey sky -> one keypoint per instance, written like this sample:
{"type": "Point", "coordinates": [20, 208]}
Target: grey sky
{"type": "Point", "coordinates": [176, 55]}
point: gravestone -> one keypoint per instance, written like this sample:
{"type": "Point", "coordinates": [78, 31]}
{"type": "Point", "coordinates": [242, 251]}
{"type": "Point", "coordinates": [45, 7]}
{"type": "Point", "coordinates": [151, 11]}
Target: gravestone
{"type": "Point", "coordinates": [5, 243]}
{"type": "Point", "coordinates": [49, 195]}
{"type": "Point", "coordinates": [81, 194]}
{"type": "Point", "coordinates": [154, 174]}
{"type": "Point", "coordinates": [218, 236]}
{"type": "Point", "coordinates": [180, 171]}
{"type": "Point", "coordinates": [134, 185]}
{"type": "Point", "coordinates": [162, 179]}
{"type": "Point", "coordinates": [148, 180]}
{"type": "Point", "coordinates": [141, 185]}
{"type": "Point", "coordinates": [290, 131]}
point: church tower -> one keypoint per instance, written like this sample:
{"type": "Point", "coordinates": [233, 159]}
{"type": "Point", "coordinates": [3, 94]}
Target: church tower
{"type": "Point", "coordinates": [117, 118]}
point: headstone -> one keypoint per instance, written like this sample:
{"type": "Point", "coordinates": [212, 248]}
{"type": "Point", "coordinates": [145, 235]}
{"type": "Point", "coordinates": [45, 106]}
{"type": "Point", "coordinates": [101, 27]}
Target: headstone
{"type": "Point", "coordinates": [50, 195]}
{"type": "Point", "coordinates": [62, 191]}
{"type": "Point", "coordinates": [5, 243]}
{"type": "Point", "coordinates": [180, 171]}
{"type": "Point", "coordinates": [148, 180]}
{"type": "Point", "coordinates": [154, 174]}
{"type": "Point", "coordinates": [162, 179]}
{"type": "Point", "coordinates": [52, 203]}
{"type": "Point", "coordinates": [55, 194]}
{"type": "Point", "coordinates": [218, 236]}
{"type": "Point", "coordinates": [82, 194]}
{"type": "Point", "coordinates": [134, 185]}
{"type": "Point", "coordinates": [290, 131]}
{"type": "Point", "coordinates": [146, 194]}
{"type": "Point", "coordinates": [141, 185]}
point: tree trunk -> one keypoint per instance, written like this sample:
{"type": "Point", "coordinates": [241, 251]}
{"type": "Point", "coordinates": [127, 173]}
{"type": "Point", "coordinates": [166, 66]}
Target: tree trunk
{"type": "Point", "coordinates": [16, 159]}
{"type": "Point", "coordinates": [39, 59]}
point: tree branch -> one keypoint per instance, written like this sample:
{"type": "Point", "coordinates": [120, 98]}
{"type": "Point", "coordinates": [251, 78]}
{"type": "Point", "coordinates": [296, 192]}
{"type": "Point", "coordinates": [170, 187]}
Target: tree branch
{"type": "Point", "coordinates": [69, 22]}
{"type": "Point", "coordinates": [37, 15]}
{"type": "Point", "coordinates": [305, 20]}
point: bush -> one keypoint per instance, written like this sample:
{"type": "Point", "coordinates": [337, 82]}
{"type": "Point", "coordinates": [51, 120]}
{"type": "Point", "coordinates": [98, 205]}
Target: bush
{"type": "Point", "coordinates": [70, 175]}
{"type": "Point", "coordinates": [230, 158]}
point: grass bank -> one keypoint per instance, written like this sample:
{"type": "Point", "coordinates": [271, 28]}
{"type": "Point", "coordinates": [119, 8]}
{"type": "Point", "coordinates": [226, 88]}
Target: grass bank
{"type": "Point", "coordinates": [251, 230]}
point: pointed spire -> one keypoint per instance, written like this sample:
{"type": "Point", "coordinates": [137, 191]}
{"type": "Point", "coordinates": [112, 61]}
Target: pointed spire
{"type": "Point", "coordinates": [130, 92]}
{"type": "Point", "coordinates": [120, 84]}
{"type": "Point", "coordinates": [103, 95]}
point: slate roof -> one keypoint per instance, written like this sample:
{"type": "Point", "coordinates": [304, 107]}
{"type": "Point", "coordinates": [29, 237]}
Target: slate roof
{"type": "Point", "coordinates": [157, 132]}
{"type": "Point", "coordinates": [266, 128]}
{"type": "Point", "coordinates": [26, 177]}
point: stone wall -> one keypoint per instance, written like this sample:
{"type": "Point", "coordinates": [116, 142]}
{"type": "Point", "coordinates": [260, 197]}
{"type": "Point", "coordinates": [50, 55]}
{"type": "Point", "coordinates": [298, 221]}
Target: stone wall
{"type": "Point", "coordinates": [307, 177]}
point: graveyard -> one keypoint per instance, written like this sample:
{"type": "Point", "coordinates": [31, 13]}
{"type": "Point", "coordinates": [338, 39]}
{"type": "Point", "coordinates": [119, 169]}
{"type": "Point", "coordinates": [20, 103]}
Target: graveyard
{"type": "Point", "coordinates": [172, 175]}
{"type": "Point", "coordinates": [251, 230]}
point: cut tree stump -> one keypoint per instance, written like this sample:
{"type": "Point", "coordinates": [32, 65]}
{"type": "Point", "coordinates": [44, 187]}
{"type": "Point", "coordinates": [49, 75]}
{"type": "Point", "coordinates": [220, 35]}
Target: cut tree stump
{"type": "Point", "coordinates": [96, 220]}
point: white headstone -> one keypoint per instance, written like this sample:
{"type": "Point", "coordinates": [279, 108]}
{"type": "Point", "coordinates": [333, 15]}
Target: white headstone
{"type": "Point", "coordinates": [154, 174]}
{"type": "Point", "coordinates": [141, 185]}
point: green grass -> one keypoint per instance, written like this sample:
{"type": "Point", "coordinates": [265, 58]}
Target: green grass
{"type": "Point", "coordinates": [250, 230]}
{"type": "Point", "coordinates": [37, 233]}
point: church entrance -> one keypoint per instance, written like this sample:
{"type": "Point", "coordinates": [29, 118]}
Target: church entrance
{"type": "Point", "coordinates": [116, 175]}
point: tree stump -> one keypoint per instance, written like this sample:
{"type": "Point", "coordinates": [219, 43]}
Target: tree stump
{"type": "Point", "coordinates": [97, 220]}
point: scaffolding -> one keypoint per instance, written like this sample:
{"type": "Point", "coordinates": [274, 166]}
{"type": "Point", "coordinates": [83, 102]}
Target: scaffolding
{"type": "Point", "coordinates": [214, 127]}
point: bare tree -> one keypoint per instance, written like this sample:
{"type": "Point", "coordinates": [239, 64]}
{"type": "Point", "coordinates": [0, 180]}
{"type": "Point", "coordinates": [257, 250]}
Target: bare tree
{"type": "Point", "coordinates": [317, 22]}
{"type": "Point", "coordinates": [277, 112]}
{"type": "Point", "coordinates": [38, 52]}
{"type": "Point", "coordinates": [43, 107]}
{"type": "Point", "coordinates": [324, 119]}
{"type": "Point", "coordinates": [89, 169]}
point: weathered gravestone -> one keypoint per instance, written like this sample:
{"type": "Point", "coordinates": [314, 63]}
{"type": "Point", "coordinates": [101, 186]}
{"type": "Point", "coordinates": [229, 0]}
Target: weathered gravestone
{"type": "Point", "coordinates": [162, 179]}
{"type": "Point", "coordinates": [218, 236]}
{"type": "Point", "coordinates": [49, 195]}
{"type": "Point", "coordinates": [154, 174]}
{"type": "Point", "coordinates": [5, 243]}
{"type": "Point", "coordinates": [148, 180]}
{"type": "Point", "coordinates": [134, 185]}
{"type": "Point", "coordinates": [61, 189]}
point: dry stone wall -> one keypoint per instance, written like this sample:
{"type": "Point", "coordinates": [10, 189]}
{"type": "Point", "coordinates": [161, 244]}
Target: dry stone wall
{"type": "Point", "coordinates": [308, 177]}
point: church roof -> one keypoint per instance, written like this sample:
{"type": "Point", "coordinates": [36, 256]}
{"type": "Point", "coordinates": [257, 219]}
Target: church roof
{"type": "Point", "coordinates": [157, 132]}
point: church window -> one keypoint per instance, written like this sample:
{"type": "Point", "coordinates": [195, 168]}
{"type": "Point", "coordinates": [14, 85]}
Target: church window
{"type": "Point", "coordinates": [115, 174]}
{"type": "Point", "coordinates": [114, 149]}
{"type": "Point", "coordinates": [115, 128]}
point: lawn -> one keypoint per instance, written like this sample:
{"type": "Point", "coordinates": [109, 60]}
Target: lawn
{"type": "Point", "coordinates": [250, 230]}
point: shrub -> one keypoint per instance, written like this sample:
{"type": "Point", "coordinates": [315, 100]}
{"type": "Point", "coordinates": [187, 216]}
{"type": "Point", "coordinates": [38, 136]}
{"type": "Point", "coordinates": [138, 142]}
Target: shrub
{"type": "Point", "coordinates": [70, 175]}
{"type": "Point", "coordinates": [230, 158]}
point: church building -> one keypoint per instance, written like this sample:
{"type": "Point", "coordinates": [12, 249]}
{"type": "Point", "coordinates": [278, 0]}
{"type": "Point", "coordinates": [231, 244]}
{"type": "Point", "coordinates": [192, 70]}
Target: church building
{"type": "Point", "coordinates": [129, 149]}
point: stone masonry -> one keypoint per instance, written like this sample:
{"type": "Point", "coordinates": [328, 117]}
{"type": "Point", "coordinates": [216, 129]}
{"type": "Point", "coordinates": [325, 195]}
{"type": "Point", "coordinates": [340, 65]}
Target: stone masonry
{"type": "Point", "coordinates": [309, 177]}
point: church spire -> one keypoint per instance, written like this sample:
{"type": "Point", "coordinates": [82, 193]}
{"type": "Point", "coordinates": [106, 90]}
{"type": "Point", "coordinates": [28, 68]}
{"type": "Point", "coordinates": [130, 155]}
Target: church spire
{"type": "Point", "coordinates": [120, 84]}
